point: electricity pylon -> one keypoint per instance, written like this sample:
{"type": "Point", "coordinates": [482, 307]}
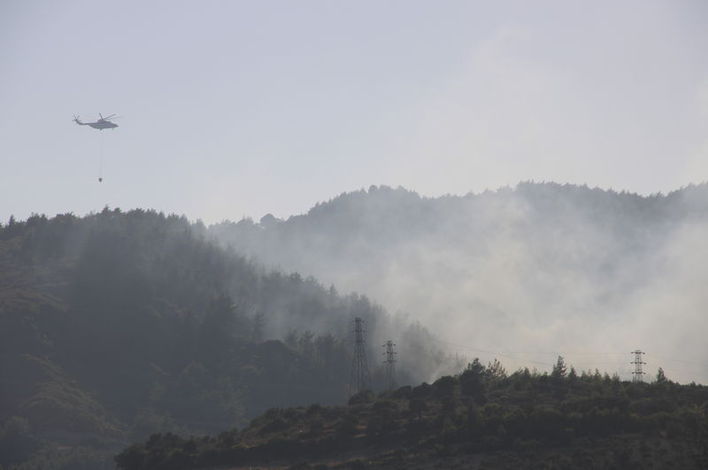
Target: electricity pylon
{"type": "Point", "coordinates": [359, 380]}
{"type": "Point", "coordinates": [638, 374]}
{"type": "Point", "coordinates": [390, 362]}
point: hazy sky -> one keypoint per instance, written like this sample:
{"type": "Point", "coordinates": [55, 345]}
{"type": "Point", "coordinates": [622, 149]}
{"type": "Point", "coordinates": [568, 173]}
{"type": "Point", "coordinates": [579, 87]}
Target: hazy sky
{"type": "Point", "coordinates": [242, 108]}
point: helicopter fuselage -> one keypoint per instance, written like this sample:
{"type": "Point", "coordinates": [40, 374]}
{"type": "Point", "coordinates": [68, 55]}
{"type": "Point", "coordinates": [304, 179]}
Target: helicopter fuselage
{"type": "Point", "coordinates": [101, 124]}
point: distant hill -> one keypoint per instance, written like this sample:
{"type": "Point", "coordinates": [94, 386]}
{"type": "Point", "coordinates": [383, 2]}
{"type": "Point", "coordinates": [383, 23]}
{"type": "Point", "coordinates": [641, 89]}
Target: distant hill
{"type": "Point", "coordinates": [541, 267]}
{"type": "Point", "coordinates": [117, 325]}
{"type": "Point", "coordinates": [481, 419]}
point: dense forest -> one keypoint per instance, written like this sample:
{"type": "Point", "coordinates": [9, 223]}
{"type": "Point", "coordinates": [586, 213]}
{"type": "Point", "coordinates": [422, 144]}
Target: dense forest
{"type": "Point", "coordinates": [117, 325]}
{"type": "Point", "coordinates": [483, 418]}
{"type": "Point", "coordinates": [541, 266]}
{"type": "Point", "coordinates": [120, 325]}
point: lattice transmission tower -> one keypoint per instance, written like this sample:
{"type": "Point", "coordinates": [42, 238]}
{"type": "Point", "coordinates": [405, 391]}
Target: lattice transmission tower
{"type": "Point", "coordinates": [638, 373]}
{"type": "Point", "coordinates": [359, 379]}
{"type": "Point", "coordinates": [390, 363]}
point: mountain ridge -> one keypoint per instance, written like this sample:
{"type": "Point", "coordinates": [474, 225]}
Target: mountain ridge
{"type": "Point", "coordinates": [541, 259]}
{"type": "Point", "coordinates": [120, 324]}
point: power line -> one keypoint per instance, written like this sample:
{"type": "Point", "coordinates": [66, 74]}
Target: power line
{"type": "Point", "coordinates": [542, 353]}
{"type": "Point", "coordinates": [585, 361]}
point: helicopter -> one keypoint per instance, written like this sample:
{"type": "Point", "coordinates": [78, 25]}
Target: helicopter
{"type": "Point", "coordinates": [102, 123]}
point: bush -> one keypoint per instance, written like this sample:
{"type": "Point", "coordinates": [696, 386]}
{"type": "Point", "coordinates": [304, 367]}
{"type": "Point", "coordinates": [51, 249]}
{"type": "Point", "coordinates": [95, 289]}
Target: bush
{"type": "Point", "coordinates": [363, 397]}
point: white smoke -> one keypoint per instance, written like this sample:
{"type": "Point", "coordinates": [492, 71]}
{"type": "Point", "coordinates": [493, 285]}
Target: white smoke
{"type": "Point", "coordinates": [523, 275]}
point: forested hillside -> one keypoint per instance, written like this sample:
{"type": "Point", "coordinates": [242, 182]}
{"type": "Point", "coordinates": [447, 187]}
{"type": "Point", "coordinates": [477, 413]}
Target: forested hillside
{"type": "Point", "coordinates": [117, 325]}
{"type": "Point", "coordinates": [483, 418]}
{"type": "Point", "coordinates": [539, 267]}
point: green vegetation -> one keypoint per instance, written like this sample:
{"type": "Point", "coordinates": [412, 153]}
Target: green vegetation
{"type": "Point", "coordinates": [481, 418]}
{"type": "Point", "coordinates": [513, 267]}
{"type": "Point", "coordinates": [118, 325]}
